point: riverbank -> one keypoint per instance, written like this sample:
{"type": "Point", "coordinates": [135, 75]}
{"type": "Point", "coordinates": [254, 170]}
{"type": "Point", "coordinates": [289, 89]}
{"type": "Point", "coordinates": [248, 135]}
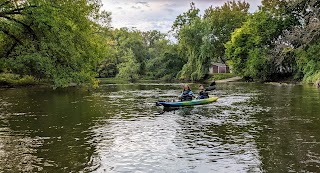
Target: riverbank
{"type": "Point", "coordinates": [8, 80]}
{"type": "Point", "coordinates": [232, 79]}
{"type": "Point", "coordinates": [219, 78]}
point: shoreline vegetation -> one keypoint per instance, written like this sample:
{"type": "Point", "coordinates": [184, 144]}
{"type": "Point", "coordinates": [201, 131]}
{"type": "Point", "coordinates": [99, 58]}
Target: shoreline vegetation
{"type": "Point", "coordinates": [279, 42]}
{"type": "Point", "coordinates": [8, 80]}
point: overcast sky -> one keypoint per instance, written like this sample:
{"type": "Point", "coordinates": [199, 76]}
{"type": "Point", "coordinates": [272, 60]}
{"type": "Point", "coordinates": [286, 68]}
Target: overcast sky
{"type": "Point", "coordinates": [156, 14]}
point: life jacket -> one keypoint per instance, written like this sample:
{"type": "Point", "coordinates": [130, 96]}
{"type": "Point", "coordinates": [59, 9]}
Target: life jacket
{"type": "Point", "coordinates": [186, 96]}
{"type": "Point", "coordinates": [203, 95]}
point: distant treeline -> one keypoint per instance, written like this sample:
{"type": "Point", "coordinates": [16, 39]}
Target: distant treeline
{"type": "Point", "coordinates": [66, 42]}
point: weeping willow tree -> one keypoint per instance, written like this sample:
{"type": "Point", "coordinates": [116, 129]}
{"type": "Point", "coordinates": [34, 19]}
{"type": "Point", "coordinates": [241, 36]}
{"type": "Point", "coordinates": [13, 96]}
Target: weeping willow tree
{"type": "Point", "coordinates": [190, 39]}
{"type": "Point", "coordinates": [202, 39]}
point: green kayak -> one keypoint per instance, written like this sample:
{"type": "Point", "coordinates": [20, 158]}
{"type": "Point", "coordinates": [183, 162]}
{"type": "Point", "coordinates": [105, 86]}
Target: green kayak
{"type": "Point", "coordinates": [187, 103]}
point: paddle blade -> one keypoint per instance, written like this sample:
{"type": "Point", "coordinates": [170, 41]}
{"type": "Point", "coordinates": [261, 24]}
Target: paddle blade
{"type": "Point", "coordinates": [210, 88]}
{"type": "Point", "coordinates": [159, 103]}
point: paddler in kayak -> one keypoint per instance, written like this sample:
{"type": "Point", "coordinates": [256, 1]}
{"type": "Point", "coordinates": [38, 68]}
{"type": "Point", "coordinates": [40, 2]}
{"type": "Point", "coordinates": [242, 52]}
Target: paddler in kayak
{"type": "Point", "coordinates": [187, 94]}
{"type": "Point", "coordinates": [203, 94]}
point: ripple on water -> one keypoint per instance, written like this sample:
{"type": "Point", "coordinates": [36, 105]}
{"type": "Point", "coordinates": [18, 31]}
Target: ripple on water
{"type": "Point", "coordinates": [21, 158]}
{"type": "Point", "coordinates": [214, 137]}
{"type": "Point", "coordinates": [126, 136]}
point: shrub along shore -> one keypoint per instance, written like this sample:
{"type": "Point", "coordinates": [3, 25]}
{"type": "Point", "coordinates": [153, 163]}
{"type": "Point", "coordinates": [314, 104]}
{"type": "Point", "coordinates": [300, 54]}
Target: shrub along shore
{"type": "Point", "coordinates": [8, 80]}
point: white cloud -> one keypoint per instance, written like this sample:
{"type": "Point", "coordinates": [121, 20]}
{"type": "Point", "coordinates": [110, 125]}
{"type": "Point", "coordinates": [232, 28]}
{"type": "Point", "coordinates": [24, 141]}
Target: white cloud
{"type": "Point", "coordinates": [155, 14]}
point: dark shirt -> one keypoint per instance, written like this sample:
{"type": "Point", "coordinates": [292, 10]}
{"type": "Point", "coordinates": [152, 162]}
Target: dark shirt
{"type": "Point", "coordinates": [186, 95]}
{"type": "Point", "coordinates": [203, 95]}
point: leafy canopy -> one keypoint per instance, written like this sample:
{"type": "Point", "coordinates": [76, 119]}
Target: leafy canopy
{"type": "Point", "coordinates": [54, 40]}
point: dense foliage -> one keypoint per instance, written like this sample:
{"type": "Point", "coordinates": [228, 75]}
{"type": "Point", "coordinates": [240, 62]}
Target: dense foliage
{"type": "Point", "coordinates": [201, 39]}
{"type": "Point", "coordinates": [279, 41]}
{"type": "Point", "coordinates": [58, 41]}
{"type": "Point", "coordinates": [137, 54]}
{"type": "Point", "coordinates": [250, 48]}
{"type": "Point", "coordinates": [67, 41]}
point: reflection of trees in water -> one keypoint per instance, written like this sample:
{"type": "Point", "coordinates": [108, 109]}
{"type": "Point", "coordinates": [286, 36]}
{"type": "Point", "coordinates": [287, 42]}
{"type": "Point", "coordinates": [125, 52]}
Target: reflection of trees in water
{"type": "Point", "coordinates": [288, 135]}
{"type": "Point", "coordinates": [46, 130]}
{"type": "Point", "coordinates": [73, 130]}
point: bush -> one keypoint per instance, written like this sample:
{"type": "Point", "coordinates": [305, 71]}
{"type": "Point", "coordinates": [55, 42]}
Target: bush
{"type": "Point", "coordinates": [9, 79]}
{"type": "Point", "coordinates": [313, 79]}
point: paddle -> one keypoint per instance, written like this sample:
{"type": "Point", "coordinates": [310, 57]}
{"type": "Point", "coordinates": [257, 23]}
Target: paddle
{"type": "Point", "coordinates": [211, 87]}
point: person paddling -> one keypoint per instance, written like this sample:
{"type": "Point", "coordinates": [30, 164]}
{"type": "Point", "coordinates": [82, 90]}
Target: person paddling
{"type": "Point", "coordinates": [187, 94]}
{"type": "Point", "coordinates": [203, 94]}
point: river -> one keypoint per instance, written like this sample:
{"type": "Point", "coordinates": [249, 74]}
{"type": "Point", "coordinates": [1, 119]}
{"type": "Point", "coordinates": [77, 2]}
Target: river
{"type": "Point", "coordinates": [117, 128]}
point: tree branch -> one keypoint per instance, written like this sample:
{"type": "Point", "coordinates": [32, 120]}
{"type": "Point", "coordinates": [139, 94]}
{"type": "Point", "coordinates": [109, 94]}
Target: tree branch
{"type": "Point", "coordinates": [15, 11]}
{"type": "Point", "coordinates": [11, 49]}
{"type": "Point", "coordinates": [11, 36]}
{"type": "Point", "coordinates": [4, 3]}
{"type": "Point", "coordinates": [23, 24]}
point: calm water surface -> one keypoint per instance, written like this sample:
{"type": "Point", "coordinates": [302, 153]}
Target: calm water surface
{"type": "Point", "coordinates": [118, 128]}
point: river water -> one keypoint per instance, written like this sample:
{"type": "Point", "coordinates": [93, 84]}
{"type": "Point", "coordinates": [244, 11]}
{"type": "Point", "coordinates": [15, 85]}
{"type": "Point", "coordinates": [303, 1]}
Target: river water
{"type": "Point", "coordinates": [118, 128]}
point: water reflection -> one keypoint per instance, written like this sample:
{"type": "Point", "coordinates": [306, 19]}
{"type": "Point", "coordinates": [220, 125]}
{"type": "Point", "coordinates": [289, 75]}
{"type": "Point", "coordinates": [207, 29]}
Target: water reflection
{"type": "Point", "coordinates": [43, 131]}
{"type": "Point", "coordinates": [287, 136]}
{"type": "Point", "coordinates": [118, 128]}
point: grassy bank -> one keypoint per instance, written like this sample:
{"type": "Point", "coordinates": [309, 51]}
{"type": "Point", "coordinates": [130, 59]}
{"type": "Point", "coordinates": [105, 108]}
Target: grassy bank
{"type": "Point", "coordinates": [123, 81]}
{"type": "Point", "coordinates": [220, 76]}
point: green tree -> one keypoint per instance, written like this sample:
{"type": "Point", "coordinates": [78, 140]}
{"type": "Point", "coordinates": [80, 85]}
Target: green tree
{"type": "Point", "coordinates": [201, 40]}
{"type": "Point", "coordinates": [129, 68]}
{"type": "Point", "coordinates": [58, 41]}
{"type": "Point", "coordinates": [106, 69]}
{"type": "Point", "coordinates": [294, 47]}
{"type": "Point", "coordinates": [275, 7]}
{"type": "Point", "coordinates": [131, 39]}
{"type": "Point", "coordinates": [150, 37]}
{"type": "Point", "coordinates": [309, 63]}
{"type": "Point", "coordinates": [185, 19]}
{"type": "Point", "coordinates": [165, 61]}
{"type": "Point", "coordinates": [190, 40]}
{"type": "Point", "coordinates": [249, 50]}
{"type": "Point", "coordinates": [221, 22]}
{"type": "Point", "coordinates": [304, 39]}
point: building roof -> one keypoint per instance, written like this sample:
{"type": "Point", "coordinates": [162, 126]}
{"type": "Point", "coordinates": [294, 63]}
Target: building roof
{"type": "Point", "coordinates": [219, 64]}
